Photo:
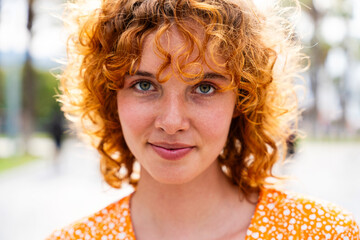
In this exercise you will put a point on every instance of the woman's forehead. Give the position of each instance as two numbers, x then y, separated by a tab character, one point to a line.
172	40
179	50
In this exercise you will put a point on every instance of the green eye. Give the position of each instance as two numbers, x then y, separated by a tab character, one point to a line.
205	89
143	86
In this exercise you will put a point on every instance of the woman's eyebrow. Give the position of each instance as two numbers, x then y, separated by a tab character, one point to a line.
207	75
142	73
213	75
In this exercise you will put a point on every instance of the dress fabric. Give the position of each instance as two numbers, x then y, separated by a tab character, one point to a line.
278	215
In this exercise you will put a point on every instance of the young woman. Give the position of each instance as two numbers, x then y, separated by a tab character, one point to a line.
200	94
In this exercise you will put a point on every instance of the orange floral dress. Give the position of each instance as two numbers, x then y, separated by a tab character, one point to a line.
278	215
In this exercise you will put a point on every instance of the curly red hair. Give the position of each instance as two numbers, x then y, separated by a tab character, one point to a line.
260	52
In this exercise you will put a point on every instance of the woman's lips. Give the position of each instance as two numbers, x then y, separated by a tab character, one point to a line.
171	151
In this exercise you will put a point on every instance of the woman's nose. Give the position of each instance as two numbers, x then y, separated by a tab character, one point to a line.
173	114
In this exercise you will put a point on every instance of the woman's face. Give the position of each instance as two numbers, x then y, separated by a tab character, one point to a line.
175	130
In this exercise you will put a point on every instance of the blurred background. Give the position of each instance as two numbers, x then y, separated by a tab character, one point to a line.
48	178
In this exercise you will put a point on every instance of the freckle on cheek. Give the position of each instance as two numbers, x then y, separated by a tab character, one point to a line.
134	118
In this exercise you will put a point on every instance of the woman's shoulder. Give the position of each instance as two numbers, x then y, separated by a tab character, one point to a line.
287	215
112	222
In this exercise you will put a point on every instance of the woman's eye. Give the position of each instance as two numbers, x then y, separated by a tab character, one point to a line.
205	88
144	86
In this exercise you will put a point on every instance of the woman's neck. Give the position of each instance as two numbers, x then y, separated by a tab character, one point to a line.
196	206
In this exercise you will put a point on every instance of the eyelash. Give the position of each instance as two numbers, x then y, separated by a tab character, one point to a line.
138	82
212	91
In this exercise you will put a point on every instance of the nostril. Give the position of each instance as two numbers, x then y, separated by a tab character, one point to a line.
172	124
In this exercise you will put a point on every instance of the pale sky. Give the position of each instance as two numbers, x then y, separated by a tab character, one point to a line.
48	40
13	34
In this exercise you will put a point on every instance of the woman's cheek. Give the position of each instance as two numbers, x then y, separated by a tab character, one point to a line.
134	115
216	116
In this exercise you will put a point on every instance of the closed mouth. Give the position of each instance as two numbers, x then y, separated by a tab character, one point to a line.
171	151
171	146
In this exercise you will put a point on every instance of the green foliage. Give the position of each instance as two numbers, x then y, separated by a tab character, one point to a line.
45	103
15	161
2	90
355	47
2	99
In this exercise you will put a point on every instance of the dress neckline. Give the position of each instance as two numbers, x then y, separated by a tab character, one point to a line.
262	193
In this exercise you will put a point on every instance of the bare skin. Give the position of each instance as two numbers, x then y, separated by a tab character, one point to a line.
176	131
209	208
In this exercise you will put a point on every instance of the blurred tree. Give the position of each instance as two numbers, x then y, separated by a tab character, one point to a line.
344	11
341	13
320	12
2	100
2	93
46	105
28	85
317	55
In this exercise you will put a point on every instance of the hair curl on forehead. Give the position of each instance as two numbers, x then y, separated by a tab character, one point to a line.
258	50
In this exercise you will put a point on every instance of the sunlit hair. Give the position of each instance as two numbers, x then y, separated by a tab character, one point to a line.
261	54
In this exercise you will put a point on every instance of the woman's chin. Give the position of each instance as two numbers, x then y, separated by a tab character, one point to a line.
174	179
168	178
